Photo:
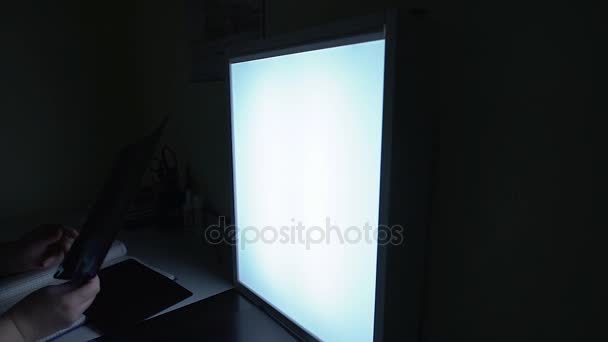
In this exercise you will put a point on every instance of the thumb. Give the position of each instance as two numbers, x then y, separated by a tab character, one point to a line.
83	292
61	289
47	235
52	260
71	286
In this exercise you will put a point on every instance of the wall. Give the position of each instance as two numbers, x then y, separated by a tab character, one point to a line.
45	101
513	186
79	81
510	251
205	136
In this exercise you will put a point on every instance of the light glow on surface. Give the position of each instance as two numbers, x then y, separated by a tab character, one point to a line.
307	133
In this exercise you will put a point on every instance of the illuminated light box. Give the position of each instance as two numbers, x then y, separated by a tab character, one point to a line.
311	132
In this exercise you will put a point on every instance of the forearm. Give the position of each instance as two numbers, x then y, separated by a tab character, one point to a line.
8	330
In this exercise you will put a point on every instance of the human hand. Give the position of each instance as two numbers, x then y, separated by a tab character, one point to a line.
52	308
41	248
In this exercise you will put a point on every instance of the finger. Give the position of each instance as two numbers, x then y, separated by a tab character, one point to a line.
84	306
66	244
70	232
85	292
54	250
69	236
47	234
52	260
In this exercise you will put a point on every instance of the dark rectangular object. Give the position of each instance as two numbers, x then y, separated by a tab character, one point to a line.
351	31
106	217
130	293
406	160
227	317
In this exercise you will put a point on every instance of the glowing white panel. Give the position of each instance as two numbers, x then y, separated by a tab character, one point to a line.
307	132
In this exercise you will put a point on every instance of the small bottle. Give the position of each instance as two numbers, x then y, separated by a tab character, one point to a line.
188	212
197	210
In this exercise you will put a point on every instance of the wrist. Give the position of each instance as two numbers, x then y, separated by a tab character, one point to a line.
22	323
9	330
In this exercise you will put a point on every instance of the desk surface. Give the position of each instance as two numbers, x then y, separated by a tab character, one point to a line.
180	253
227	316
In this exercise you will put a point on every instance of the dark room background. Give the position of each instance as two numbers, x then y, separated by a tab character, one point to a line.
510	256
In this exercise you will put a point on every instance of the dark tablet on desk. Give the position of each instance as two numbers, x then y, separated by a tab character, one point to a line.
106	217
131	292
225	317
